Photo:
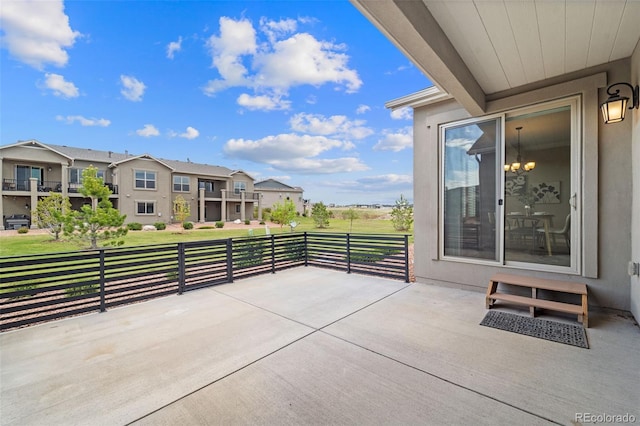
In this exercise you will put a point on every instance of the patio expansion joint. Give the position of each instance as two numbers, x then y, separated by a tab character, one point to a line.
255	361
443	379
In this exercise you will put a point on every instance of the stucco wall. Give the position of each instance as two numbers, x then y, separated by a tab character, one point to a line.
635	219
607	159
129	195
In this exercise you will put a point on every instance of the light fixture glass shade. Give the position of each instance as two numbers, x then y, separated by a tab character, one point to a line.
614	108
507	167
530	166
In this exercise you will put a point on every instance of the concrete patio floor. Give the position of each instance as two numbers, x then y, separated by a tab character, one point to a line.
312	346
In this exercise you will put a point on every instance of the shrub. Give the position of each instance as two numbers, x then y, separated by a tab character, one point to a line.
23	230
219	224
134	226
262	222
206	227
247	222
187	225
82	290
402	215
160	226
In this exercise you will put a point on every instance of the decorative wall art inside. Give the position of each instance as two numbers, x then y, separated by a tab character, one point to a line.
515	185
547	192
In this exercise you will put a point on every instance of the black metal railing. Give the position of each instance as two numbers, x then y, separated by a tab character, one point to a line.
45	186
39	288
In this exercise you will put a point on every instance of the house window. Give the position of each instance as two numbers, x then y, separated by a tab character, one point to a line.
75	175
145	179
494	213
206	185
181	184
23	175
237	208
145	207
239	187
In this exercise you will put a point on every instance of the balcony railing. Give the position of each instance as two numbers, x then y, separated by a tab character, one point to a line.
39	288
247	195
45	186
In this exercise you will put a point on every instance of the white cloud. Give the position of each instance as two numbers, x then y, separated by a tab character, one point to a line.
173	47
263	102
362	109
405	113
60	87
336	125
279	178
132	88
70	119
378	184
294	153
148	130
276	61
301	59
237	38
277	29
190	133
395	141
322	166
37	32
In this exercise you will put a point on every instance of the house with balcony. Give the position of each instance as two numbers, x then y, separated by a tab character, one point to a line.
275	192
515	169
143	186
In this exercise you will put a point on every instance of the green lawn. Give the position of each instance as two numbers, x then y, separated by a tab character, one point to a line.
35	244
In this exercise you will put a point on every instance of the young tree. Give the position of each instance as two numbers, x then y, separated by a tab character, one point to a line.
98	221
283	213
50	213
320	215
350	215
181	209
402	215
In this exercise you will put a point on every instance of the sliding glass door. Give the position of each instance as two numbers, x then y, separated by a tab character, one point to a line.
510	188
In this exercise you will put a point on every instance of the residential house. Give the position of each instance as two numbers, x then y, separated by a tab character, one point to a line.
274	191
144	187
514	115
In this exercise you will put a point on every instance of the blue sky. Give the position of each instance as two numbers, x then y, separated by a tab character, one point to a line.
291	90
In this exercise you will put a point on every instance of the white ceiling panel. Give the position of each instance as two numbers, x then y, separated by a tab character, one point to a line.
508	43
496	22
606	24
522	16
470	40
579	23
551	26
629	31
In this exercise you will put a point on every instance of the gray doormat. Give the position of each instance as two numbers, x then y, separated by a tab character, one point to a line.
536	327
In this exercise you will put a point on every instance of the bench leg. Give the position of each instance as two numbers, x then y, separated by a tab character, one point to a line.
493	285
534	295
584	318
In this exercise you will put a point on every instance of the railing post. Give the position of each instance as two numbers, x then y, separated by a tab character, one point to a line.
348	254
306	250
103	305
229	260
181	268
406	258
273	254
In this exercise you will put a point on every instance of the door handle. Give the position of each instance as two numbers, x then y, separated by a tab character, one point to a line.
572	200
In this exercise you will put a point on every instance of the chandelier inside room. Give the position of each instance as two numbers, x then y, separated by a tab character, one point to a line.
518	166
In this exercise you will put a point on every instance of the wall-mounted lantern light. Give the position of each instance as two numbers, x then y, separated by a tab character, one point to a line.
614	109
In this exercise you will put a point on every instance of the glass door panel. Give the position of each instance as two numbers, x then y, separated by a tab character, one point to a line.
470	163
538	187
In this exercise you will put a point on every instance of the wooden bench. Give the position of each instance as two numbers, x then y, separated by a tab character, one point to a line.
533	302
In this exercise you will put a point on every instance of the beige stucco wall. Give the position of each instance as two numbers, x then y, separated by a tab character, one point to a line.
273	196
635	218
129	195
606	201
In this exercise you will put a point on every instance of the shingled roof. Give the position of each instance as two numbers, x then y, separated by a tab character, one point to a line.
186	167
